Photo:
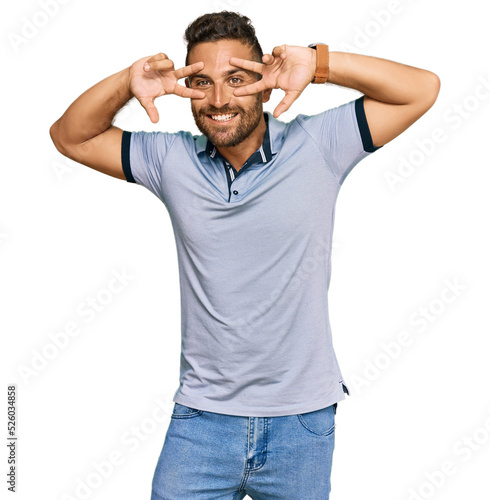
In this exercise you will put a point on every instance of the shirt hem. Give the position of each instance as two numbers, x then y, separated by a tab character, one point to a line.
200	404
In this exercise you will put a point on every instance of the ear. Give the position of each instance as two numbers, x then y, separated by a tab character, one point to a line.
266	95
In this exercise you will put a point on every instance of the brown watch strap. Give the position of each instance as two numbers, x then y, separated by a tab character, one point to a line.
321	71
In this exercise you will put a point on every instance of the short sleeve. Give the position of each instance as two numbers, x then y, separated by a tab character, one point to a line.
342	134
143	156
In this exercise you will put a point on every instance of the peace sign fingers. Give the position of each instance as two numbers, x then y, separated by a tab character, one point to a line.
184	72
255	67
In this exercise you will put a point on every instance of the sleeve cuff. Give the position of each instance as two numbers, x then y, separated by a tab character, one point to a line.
367	141
125	145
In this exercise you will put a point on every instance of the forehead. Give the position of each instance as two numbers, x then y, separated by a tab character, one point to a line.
216	55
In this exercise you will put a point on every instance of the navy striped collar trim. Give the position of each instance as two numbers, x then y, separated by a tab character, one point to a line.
263	154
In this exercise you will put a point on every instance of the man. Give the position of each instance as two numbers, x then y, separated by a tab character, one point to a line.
252	207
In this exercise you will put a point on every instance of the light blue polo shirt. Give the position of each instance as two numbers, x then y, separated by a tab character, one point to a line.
254	250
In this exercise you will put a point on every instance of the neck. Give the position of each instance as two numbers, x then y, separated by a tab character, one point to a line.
239	154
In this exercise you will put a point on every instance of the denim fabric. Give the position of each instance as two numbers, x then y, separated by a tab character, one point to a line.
213	456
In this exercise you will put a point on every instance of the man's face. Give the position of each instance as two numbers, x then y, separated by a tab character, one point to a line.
224	119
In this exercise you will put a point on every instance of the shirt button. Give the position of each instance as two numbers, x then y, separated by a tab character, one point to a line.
235	192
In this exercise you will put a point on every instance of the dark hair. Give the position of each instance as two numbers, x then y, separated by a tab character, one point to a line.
222	26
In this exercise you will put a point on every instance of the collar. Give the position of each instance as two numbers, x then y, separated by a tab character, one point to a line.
269	146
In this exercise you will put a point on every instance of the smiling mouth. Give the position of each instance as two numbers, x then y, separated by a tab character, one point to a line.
222	118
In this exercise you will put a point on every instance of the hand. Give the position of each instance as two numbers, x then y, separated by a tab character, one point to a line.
289	68
152	77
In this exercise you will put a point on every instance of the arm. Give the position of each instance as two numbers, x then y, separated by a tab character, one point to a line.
396	95
85	132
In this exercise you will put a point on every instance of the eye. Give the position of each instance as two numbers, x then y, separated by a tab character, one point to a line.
201	83
235	80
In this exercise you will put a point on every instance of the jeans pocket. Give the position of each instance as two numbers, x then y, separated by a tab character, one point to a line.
320	422
182	411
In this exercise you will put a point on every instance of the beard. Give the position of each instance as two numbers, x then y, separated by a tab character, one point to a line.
227	137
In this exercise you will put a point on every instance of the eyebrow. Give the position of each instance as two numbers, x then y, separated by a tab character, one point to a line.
225	74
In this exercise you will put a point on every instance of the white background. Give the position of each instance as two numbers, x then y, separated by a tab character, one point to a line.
66	229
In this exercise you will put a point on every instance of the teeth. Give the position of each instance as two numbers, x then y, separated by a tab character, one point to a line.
223	118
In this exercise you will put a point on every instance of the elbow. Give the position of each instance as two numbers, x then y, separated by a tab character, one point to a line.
431	89
53	133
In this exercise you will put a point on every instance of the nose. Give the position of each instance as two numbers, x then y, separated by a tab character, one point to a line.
220	95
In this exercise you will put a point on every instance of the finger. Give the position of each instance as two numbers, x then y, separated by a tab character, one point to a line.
254	66
157	57
280	51
151	110
285	104
268	59
253	88
159	65
188	70
186	92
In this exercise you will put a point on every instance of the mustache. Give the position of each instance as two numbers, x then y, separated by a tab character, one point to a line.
219	111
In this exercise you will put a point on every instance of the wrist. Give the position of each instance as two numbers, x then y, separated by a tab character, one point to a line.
340	63
322	62
312	63
125	75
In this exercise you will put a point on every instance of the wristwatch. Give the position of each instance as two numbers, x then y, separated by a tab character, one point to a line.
321	71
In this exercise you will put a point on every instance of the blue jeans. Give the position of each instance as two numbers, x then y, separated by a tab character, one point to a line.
212	456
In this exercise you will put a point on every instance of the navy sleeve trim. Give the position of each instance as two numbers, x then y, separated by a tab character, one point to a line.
125	144
367	141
